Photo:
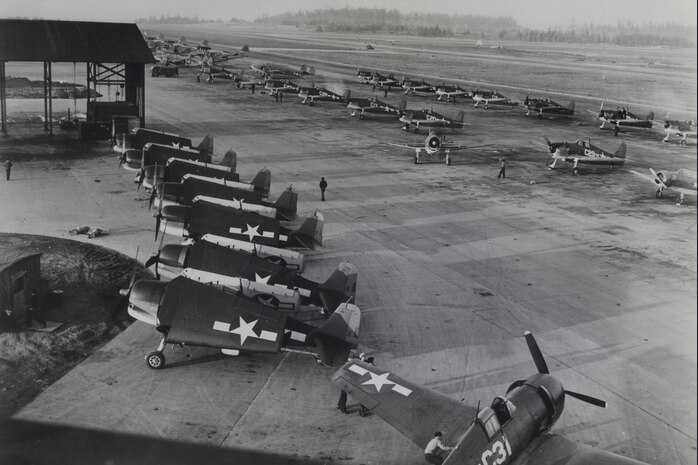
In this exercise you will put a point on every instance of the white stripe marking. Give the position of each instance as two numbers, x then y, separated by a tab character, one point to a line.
235	231
358	370
402	390
220	326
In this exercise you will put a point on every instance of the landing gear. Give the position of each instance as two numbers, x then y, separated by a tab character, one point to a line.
658	194
361	116
679	199
156	360
448	159
575	171
311	103
486	106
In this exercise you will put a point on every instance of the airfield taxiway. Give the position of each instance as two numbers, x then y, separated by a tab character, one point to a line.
454	265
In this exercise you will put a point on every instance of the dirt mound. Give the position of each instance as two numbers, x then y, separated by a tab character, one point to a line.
91	309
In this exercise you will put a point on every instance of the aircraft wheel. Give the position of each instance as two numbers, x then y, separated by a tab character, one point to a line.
658	194
416	161
682	142
276	260
268	300
575	171
361	116
155	360
679	200
362	412
155	73
486	107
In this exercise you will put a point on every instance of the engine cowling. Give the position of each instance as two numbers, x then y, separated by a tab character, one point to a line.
432	144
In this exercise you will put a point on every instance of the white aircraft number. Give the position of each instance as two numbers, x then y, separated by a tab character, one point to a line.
497	454
592	154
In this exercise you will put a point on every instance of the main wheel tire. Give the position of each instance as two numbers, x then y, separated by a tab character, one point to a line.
658	194
155	360
575	171
679	200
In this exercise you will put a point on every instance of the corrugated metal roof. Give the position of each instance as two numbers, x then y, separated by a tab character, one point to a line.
72	41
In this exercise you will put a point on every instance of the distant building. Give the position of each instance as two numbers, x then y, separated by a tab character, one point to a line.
19	274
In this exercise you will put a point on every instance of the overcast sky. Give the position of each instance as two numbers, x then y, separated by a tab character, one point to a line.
529	13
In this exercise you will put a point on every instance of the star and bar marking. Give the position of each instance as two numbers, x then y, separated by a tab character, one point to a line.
378	381
244	330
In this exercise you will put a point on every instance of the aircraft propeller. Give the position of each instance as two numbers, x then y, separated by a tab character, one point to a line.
127	291
155	258
658	179
542	367
153	193
139	181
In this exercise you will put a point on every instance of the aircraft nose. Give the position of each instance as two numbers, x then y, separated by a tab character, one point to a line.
174	255
144	300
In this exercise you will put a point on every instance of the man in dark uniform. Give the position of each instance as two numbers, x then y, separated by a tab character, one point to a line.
323	186
502	169
8	168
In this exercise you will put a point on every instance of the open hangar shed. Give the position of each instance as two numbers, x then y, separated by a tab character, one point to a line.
115	55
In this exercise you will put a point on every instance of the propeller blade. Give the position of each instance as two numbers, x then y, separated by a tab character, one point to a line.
152	259
141	176
587	399
133	281
658	180
536	353
158	217
152	199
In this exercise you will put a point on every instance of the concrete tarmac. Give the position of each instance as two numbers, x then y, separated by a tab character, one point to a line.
454	265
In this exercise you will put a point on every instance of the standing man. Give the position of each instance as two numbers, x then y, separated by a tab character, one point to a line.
432	453
615	130
342	402
385	94
281	96
323	186
252	87
8	168
502	169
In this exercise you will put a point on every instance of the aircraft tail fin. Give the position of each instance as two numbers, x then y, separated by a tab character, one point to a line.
460	117
245	49
206	145
262	182
547	141
311	70
230	159
340	286
340	333
310	232
287	204
620	153
650	116
570	107
402	104
347	94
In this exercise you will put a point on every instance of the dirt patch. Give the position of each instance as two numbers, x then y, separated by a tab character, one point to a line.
91	309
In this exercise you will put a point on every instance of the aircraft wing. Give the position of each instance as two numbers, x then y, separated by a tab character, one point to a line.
202	315
552	449
413	410
462	147
644	176
408	146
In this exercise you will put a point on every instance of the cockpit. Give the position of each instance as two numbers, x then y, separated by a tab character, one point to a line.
492	418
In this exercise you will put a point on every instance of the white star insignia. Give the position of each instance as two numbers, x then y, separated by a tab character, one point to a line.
252	232
245	330
378	380
259	279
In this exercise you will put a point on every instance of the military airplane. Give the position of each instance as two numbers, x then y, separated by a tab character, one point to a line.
513	430
682	181
205	217
682	129
430	118
273	71
491	98
622	118
312	94
138	137
175	169
286	258
158	154
190	313
411	87
255	277
217	56
433	146
546	106
380	80
248	197
452	92
275	86
372	105
370	47
582	151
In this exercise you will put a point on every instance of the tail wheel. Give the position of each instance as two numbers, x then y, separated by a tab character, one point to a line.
155	360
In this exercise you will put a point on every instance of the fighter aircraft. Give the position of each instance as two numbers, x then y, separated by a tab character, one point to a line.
546	106
491	98
273	71
370	47
218	56
175	168
372	105
205	217
158	154
380	80
275	86
513	430
430	118
411	86
622	118
312	94
435	145
682	181
201	315
682	129
452	92
286	258
138	137
244	196
582	151
255	277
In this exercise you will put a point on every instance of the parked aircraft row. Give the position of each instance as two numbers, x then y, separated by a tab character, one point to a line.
235	283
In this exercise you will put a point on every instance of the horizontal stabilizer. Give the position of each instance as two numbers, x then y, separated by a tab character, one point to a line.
310	231
262	182
340	333
206	145
287	205
230	159
340	286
